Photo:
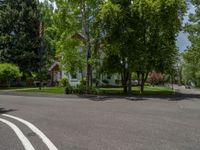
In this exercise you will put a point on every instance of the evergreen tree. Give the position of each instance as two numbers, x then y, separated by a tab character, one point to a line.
19	42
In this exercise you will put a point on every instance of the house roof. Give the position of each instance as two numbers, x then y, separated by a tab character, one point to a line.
54	65
79	36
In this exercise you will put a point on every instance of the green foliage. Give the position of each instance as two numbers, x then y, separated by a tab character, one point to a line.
140	35
81	89
118	82
83	81
62	26
8	73
19	42
134	76
191	67
63	82
68	89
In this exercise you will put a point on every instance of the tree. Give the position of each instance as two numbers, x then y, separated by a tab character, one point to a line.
118	37
48	50
72	25
140	36
89	10
19	42
8	72
191	67
159	23
62	26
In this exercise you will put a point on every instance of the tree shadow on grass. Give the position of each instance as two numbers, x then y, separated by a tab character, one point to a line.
4	111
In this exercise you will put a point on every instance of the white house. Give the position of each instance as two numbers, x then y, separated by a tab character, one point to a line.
74	79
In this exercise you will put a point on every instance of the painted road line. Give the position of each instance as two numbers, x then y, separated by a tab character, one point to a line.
26	143
44	138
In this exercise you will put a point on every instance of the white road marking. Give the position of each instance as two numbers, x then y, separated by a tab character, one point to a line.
26	143
44	138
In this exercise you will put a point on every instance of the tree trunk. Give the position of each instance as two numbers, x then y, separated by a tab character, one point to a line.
142	84
125	78
129	83
143	80
85	24
91	77
138	76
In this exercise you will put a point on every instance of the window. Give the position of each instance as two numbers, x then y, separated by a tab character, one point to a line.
74	76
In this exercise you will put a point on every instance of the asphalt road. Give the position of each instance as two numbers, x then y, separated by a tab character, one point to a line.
75	123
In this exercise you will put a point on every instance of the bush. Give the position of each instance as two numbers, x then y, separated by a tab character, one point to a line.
8	73
83	81
80	89
68	89
117	81
147	84
63	82
155	78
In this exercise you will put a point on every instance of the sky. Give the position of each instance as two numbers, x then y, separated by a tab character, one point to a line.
182	40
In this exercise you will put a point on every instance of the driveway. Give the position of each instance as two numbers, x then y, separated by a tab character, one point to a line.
102	123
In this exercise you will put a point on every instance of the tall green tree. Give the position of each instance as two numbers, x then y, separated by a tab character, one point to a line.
140	36
159	23
73	34
191	69
62	24
118	36
19	42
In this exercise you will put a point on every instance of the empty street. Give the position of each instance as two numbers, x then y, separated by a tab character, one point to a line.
101	123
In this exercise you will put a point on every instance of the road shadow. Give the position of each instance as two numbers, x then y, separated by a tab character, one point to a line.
168	97
131	97
4	111
183	96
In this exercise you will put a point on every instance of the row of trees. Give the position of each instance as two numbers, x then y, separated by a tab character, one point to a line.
191	66
122	37
101	36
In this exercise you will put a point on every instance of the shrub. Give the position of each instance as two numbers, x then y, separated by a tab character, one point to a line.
83	81
81	89
68	89
117	81
147	84
63	82
155	77
8	73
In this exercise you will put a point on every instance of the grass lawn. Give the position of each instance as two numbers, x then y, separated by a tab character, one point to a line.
55	90
60	90
136	90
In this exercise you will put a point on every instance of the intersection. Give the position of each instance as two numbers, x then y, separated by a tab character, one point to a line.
77	123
